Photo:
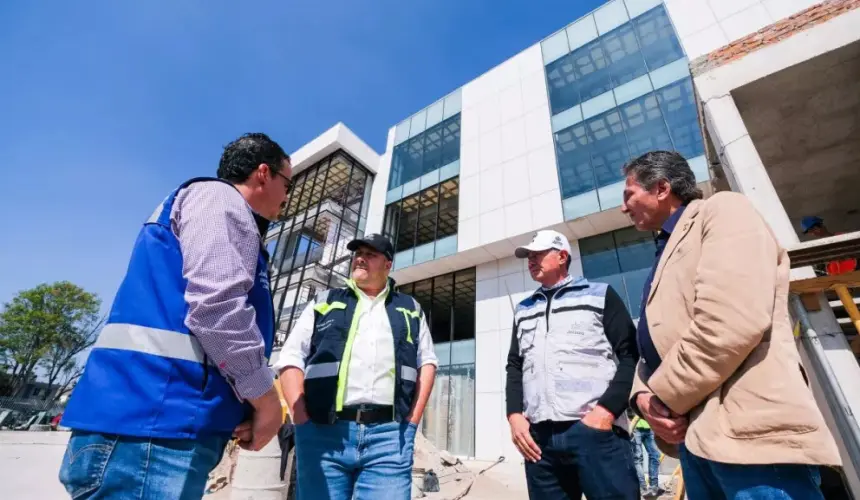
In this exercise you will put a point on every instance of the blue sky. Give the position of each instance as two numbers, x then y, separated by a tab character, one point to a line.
106	106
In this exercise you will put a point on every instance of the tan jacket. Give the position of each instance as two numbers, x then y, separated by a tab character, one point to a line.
718	315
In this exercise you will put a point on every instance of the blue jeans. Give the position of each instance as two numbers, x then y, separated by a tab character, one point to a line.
645	437
706	479
104	466
577	460
350	461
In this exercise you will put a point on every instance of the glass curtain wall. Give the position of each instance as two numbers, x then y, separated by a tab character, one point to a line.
326	210
426	152
448	302
419	220
615	97
623	259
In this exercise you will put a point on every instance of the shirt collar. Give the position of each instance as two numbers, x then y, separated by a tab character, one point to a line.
672	221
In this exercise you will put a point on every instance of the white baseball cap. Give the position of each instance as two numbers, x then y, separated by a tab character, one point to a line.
544	240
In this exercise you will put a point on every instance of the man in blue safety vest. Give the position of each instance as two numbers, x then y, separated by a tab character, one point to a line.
182	363
357	371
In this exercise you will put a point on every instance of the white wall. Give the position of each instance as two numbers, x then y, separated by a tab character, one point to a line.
500	283
706	25
376	209
508	178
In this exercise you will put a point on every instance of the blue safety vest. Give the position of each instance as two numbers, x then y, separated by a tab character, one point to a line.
147	375
335	327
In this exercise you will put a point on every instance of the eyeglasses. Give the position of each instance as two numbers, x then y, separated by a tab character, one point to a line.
288	183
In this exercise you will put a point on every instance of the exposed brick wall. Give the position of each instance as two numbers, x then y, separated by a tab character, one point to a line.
777	31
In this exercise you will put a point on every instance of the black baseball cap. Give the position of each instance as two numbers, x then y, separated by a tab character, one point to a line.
375	241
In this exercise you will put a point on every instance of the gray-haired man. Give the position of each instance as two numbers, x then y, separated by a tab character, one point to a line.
570	370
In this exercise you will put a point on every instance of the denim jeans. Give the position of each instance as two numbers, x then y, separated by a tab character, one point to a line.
350	461
706	479
104	466
645	437
577	460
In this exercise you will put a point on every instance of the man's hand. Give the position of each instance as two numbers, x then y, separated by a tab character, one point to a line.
265	422
522	438
670	427
599	418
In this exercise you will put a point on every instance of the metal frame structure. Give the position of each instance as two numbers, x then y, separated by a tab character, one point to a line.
333	191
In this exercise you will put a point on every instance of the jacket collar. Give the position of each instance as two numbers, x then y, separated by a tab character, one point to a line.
577	282
678	233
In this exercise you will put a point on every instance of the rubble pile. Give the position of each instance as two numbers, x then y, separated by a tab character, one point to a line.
438	475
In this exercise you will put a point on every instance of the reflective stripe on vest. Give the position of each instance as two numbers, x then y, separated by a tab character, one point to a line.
321	370
164	343
407	313
408	373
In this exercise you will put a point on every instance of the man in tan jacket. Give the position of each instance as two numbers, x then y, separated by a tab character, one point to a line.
719	379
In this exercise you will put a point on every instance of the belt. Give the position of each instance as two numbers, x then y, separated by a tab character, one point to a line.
367	414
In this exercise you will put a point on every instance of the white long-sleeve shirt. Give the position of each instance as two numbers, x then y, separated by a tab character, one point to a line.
370	374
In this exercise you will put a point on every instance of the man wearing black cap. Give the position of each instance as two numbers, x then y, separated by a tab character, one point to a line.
357	370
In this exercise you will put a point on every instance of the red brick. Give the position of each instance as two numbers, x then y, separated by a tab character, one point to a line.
773	33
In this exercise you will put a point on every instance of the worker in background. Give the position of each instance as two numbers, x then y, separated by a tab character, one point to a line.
642	436
815	226
357	371
720	379
569	373
183	358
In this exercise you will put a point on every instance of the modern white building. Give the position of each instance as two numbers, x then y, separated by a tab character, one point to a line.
539	141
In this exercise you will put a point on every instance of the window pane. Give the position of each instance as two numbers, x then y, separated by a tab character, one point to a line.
646	130
428	211
423	293
464	304
433	148
408	223
608	146
622	50
678	103
635	249
443	291
392	219
561	80
451	140
399	159
659	44
574	161
448	208
598	256
415	161
590	65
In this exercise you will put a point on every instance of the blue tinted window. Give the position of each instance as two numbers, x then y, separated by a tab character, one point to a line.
451	140
678	104
591	68
659	44
563	90
398	165
434	148
574	161
622	50
608	146
415	159
646	130
622	259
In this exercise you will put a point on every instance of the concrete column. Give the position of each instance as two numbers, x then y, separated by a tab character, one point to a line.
744	169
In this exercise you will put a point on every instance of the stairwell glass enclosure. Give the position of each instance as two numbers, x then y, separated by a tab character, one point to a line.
326	210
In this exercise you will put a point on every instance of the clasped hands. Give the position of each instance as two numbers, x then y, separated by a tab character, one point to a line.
666	424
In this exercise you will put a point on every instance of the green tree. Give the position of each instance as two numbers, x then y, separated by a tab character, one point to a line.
47	326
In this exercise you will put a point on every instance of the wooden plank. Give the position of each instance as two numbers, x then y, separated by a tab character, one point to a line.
824	283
